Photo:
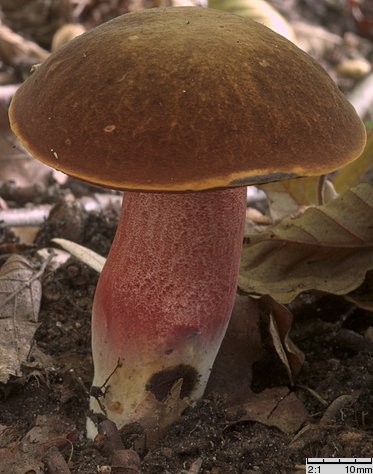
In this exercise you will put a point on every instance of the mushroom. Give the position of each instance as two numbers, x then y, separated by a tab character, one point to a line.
181	108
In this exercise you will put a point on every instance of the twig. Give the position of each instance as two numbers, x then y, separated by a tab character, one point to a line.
79	7
314	394
335	407
25	217
71	451
14	49
36	216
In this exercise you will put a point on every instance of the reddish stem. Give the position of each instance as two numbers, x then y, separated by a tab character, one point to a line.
165	297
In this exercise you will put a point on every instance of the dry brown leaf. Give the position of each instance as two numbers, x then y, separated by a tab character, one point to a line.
354	173
231	373
280	321
329	248
292	197
8	435
313	432
277	407
20	295
25	455
362	297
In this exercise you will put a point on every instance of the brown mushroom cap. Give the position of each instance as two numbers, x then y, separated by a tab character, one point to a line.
177	99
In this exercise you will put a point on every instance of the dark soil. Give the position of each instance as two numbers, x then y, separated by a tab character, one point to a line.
206	435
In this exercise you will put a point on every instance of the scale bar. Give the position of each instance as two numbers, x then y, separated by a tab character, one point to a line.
340	461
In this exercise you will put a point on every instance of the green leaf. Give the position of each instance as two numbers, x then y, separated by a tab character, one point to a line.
329	248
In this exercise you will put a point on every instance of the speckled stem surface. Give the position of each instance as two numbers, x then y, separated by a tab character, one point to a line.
164	298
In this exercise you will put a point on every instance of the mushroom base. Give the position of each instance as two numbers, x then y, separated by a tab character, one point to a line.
163	300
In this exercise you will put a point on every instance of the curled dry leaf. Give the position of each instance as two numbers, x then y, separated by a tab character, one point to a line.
280	321
329	248
292	196
273	407
231	374
25	456
362	297
312	432
55	462
20	295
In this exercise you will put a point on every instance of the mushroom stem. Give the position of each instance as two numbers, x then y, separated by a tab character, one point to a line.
164	299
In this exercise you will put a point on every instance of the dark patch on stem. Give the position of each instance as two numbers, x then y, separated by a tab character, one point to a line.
161	383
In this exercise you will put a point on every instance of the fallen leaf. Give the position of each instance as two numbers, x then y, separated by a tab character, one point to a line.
291	196
362	297
352	174
8	435
25	455
231	373
277	407
280	321
329	248
87	256
20	295
311	433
